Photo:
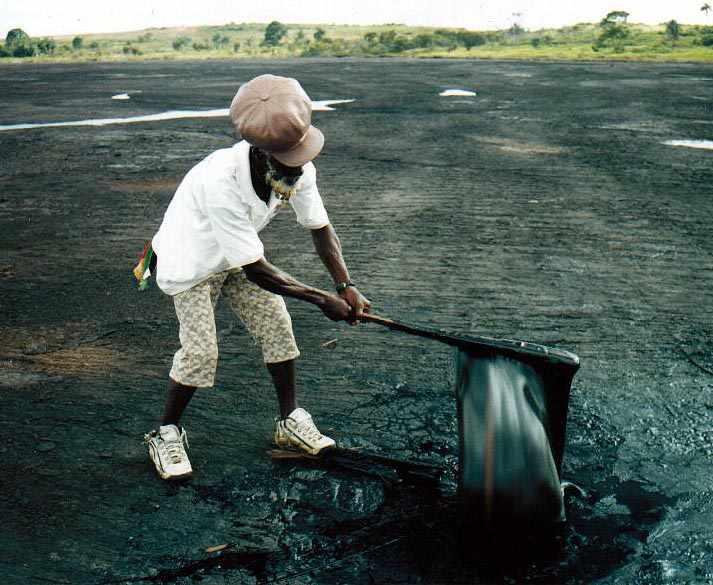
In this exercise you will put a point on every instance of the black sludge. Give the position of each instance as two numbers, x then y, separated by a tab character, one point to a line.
512	409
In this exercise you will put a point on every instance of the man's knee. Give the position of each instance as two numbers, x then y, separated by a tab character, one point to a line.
195	366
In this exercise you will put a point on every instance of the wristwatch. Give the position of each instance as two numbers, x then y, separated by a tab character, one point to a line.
342	286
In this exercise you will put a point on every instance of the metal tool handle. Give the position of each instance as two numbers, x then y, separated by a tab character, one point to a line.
413	330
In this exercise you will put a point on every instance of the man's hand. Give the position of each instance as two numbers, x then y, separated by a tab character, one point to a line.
336	308
358	302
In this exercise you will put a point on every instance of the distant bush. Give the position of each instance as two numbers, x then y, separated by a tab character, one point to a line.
46	46
236	47
615	17
24	51
77	43
319	34
201	46
16	38
219	41
180	43
423	41
145	38
615	31
19	44
274	33
516	30
470	39
128	49
673	30
390	41
707	40
94	45
539	41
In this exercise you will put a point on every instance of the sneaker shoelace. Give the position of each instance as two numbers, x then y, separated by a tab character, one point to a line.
308	430
174	447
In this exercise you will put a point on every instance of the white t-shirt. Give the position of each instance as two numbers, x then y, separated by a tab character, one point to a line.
213	220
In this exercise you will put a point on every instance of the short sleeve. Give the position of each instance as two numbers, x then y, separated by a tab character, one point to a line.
228	216
307	202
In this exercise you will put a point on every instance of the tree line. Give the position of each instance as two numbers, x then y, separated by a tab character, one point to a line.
615	33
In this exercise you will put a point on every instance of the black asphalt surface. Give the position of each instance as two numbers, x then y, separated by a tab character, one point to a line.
546	208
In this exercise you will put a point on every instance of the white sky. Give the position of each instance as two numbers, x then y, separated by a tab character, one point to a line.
58	17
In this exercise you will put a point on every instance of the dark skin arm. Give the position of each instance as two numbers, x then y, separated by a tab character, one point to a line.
329	248
271	278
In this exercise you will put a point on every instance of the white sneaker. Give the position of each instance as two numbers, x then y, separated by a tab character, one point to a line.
166	451
298	430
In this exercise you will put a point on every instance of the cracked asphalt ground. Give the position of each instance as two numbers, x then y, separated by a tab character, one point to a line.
546	208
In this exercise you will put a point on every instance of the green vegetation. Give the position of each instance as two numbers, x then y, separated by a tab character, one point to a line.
180	43
673	30
19	44
274	32
615	32
611	38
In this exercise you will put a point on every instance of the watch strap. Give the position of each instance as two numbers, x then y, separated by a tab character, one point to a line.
342	286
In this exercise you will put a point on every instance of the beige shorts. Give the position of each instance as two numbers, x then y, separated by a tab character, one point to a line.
263	313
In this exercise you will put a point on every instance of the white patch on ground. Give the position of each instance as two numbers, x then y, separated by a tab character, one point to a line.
126	95
318	106
706	144
456	92
171	115
323	105
651	126
687	78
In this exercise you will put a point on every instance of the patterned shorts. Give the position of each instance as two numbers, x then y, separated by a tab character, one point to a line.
263	313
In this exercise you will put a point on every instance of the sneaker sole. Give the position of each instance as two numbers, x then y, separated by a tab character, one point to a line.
305	449
164	474
169	477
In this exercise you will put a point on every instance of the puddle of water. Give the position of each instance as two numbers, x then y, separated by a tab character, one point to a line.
705	144
317	106
456	92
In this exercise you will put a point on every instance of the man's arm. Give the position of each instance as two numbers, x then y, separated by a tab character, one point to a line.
327	244
271	278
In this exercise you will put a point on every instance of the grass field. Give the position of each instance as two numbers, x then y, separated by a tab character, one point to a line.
246	40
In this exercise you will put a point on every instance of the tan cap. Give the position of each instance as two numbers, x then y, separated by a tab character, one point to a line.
275	114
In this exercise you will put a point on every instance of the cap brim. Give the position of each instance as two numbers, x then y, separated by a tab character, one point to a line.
309	147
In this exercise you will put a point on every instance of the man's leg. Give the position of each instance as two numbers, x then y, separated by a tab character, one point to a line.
283	376
178	398
194	365
266	317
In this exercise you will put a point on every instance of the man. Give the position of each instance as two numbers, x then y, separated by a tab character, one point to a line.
208	245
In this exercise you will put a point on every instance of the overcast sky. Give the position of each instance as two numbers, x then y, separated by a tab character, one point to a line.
58	17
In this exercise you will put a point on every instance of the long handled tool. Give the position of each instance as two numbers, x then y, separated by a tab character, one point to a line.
482	345
512	399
